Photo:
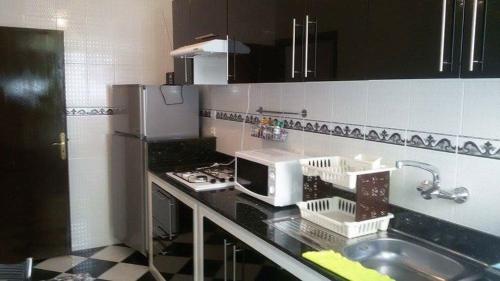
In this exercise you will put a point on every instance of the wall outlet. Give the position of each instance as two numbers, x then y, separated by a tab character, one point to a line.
213	132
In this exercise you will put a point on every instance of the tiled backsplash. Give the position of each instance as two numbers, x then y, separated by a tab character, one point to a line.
449	123
106	42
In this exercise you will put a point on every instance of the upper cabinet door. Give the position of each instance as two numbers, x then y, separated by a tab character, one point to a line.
290	38
208	20
336	39
481	52
414	39
251	25
180	18
265	42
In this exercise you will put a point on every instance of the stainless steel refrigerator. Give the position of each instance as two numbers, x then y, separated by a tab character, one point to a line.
143	114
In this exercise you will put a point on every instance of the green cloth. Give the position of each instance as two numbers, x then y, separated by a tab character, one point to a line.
344	267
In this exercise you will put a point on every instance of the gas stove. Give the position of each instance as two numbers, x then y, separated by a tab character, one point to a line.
216	176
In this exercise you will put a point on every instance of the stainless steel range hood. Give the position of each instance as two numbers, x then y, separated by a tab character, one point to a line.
210	59
210	48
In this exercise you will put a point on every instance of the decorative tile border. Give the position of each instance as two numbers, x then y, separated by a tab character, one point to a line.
90	111
230	116
432	141
438	142
385	135
479	147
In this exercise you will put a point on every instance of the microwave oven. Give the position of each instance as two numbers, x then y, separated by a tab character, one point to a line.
271	175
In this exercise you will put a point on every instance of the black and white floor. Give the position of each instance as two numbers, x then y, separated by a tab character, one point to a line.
105	263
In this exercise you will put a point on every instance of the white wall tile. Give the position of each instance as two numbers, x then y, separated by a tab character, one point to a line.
127	74
229	136
100	79
76	85
271	97
346	147
11	13
205	97
89	201
481	108
293	97
88	136
436	105
318	144
319	100
255	97
480	176
349	102
206	126
388	103
232	97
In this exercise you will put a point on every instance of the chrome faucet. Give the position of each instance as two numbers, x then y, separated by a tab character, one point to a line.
429	190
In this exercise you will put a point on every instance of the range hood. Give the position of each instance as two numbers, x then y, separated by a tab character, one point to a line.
210	59
211	47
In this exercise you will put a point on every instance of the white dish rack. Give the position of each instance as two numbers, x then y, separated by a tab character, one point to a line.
342	171
338	215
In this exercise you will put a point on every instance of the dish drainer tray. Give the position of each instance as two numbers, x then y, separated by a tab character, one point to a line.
342	171
338	215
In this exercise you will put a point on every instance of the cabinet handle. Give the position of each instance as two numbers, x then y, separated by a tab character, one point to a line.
473	36
307	46
443	31
170	233
235	251
294	24
306	59
315	23
225	258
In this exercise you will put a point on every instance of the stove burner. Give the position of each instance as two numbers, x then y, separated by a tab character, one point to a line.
201	178
212	177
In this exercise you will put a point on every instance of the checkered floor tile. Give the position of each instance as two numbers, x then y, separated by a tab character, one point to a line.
105	263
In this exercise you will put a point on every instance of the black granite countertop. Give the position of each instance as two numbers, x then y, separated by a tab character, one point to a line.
251	213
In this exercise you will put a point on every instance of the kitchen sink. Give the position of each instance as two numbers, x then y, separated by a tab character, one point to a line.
404	260
399	255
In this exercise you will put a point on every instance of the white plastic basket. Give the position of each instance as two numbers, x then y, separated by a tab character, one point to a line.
338	215
342	171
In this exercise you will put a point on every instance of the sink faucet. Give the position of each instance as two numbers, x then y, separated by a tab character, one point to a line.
429	190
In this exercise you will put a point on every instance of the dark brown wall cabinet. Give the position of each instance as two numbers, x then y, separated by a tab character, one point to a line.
413	39
481	46
327	40
180	15
297	40
433	39
195	21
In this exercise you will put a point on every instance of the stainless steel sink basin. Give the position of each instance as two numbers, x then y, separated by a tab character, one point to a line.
401	256
404	260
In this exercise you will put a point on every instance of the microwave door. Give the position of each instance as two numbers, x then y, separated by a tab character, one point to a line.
252	176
